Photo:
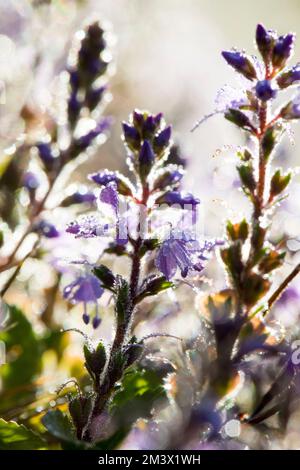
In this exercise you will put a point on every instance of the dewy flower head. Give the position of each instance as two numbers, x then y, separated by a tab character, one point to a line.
270	76
147	136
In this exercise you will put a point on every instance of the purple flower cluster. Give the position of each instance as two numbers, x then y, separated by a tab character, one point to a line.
148	142
269	76
89	66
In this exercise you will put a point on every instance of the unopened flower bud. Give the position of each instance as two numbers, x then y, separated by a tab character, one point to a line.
292	110
283	50
146	159
291	77
238	118
162	140
170	177
30	181
45	154
241	63
264	90
265	41
47	229
131	136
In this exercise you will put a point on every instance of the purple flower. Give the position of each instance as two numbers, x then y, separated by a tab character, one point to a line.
47	229
86	289
283	50
264	90
184	253
241	63
180	198
73	227
30	180
109	195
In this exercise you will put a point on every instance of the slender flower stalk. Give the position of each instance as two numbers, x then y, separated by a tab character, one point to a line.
157	182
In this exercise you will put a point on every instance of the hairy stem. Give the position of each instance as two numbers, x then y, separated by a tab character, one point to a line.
106	385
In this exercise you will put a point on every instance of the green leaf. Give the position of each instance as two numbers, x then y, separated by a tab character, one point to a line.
105	275
139	389
278	183
247	176
272	260
239	119
153	286
255	287
270	140
23	351
238	231
15	436
59	425
123	302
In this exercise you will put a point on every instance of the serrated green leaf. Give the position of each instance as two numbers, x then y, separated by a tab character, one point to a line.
15	436
59	425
